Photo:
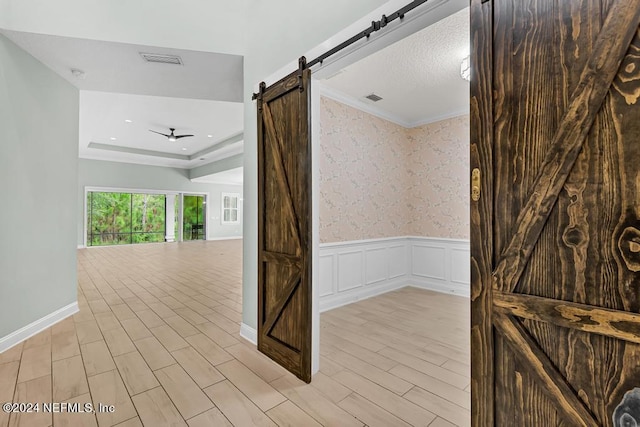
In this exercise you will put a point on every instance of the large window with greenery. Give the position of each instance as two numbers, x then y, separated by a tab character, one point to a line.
124	218
193	217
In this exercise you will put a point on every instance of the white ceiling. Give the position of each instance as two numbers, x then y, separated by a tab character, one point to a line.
201	97
103	117
118	67
417	77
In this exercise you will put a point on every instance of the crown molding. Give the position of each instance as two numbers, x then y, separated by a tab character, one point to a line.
434	119
349	100
138	151
234	139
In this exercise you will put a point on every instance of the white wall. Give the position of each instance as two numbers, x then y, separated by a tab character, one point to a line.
96	173
38	174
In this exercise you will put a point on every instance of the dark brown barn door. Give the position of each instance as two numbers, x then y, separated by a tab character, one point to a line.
555	212
284	222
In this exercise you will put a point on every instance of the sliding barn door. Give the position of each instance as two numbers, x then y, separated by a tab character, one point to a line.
555	212
284	222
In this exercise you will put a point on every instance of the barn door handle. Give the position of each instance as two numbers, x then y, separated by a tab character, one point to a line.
475	185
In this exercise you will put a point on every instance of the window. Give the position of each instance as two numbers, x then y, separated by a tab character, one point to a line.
230	208
193	216
124	218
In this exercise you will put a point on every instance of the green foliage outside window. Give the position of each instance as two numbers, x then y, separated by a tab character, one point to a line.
193	217
124	218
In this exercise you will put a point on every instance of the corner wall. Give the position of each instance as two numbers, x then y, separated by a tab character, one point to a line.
394	205
97	173
38	181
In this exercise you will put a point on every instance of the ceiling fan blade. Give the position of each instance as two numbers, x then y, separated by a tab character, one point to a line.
159	133
183	136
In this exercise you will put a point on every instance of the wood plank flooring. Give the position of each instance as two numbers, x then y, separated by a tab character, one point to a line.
157	336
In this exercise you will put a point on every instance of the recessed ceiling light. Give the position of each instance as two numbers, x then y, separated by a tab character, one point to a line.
209	136
127	120
113	138
184	148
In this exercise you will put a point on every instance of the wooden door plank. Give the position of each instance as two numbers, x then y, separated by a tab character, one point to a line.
283	298
281	174
588	318
481	214
609	50
550	379
280	258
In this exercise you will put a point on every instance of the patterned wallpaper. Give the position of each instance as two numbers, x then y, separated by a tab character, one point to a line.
379	179
438	185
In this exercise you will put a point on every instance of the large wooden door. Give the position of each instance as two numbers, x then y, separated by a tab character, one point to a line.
555	113
284	222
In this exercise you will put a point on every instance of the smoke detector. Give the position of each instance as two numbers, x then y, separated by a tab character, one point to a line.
161	58
78	74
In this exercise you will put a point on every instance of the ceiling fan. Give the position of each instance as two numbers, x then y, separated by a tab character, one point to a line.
172	137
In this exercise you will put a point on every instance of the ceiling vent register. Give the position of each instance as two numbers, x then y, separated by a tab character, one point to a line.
161	59
373	97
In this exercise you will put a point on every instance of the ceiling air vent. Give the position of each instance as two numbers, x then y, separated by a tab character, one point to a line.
161	59
373	97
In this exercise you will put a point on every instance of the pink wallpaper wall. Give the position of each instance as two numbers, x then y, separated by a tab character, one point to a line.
379	179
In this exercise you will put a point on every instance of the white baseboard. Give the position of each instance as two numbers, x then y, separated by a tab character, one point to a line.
354	295
39	325
81	247
439	287
355	270
225	238
249	333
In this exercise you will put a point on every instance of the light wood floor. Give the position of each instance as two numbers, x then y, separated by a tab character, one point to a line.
157	337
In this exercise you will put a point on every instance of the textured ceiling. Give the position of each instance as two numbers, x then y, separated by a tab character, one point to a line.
417	77
103	115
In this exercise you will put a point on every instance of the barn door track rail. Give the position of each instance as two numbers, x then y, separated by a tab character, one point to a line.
366	33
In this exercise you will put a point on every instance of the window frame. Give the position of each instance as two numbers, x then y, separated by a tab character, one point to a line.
237	208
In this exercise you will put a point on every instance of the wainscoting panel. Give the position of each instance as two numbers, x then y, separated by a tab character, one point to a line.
460	267
428	261
328	282
440	264
355	270
350	270
376	268
399	262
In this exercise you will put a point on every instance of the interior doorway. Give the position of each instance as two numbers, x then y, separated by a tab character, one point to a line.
386	258
358	277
